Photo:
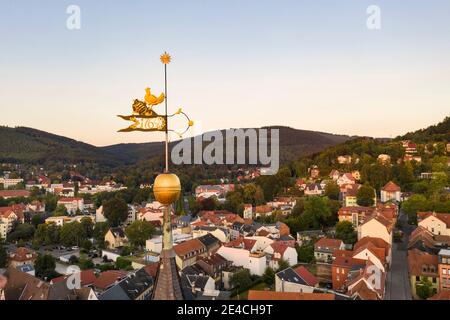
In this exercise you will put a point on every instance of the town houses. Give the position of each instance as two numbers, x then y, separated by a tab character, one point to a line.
323	232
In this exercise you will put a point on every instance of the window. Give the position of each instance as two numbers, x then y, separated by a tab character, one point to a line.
434	280
417	278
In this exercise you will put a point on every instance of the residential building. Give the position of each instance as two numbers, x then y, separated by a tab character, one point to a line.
377	227
295	280
342	267
391	192
325	247
368	285
135	286
344	159
72	204
357	215
188	252
444	269
346	178
384	159
436	223
314	189
245	253
422	267
107	279
278	251
22	256
8	194
8	182
301	296
115	238
248	211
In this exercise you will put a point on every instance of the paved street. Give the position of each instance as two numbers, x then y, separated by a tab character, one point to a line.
397	282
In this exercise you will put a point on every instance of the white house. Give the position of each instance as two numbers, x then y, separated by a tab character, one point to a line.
248	211
7	220
436	223
346	178
314	189
279	251
295	280
391	192
7	182
255	262
377	227
99	215
72	204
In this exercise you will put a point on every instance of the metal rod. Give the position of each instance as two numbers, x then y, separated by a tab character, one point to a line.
167	124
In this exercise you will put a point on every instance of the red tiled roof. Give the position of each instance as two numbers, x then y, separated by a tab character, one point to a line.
418	259
184	248
378	242
444	217
249	243
309	278
152	269
272	295
391	187
328	243
108	278
69	199
279	247
14	193
22	254
87	278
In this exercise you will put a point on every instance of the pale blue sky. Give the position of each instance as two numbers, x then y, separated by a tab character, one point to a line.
236	63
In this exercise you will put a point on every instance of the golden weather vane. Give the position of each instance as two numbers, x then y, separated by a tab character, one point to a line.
146	119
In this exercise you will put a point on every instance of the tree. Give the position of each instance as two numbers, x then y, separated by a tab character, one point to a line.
305	252
122	263
332	190
88	226
138	232
45	267
269	276
365	196
253	194
60	210
85	264
234	202
241	279
346	232
424	288
3	256
299	207
115	210
87	245
316	214
72	234
414	204
37	220
22	232
100	230
282	264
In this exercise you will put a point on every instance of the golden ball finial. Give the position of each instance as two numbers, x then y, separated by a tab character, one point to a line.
167	188
166	58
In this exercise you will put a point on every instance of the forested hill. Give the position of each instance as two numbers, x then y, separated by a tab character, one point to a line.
29	145
438	132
